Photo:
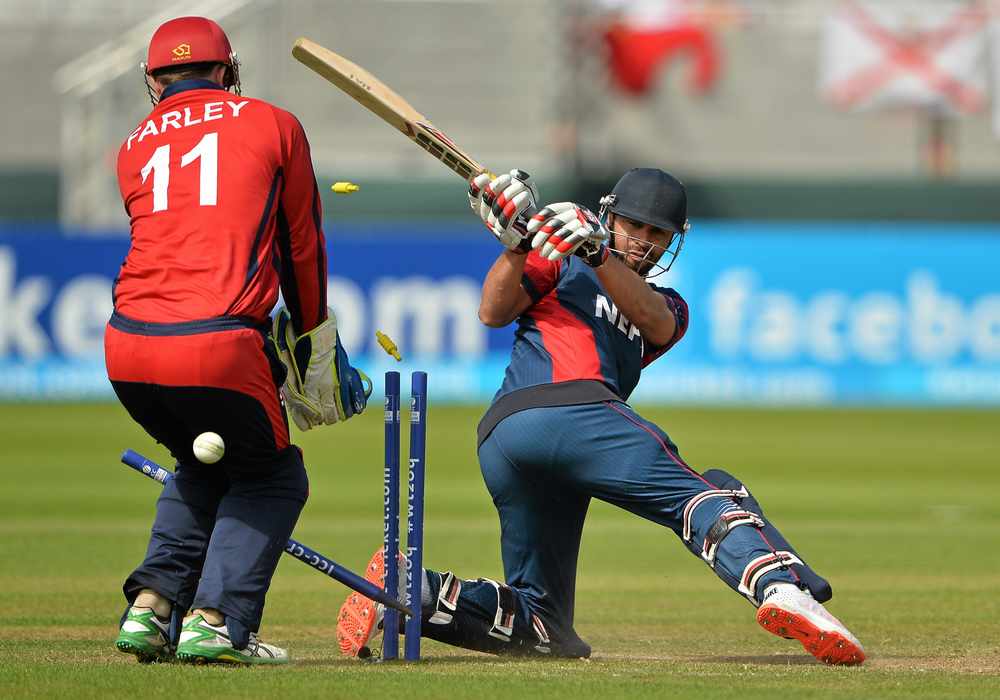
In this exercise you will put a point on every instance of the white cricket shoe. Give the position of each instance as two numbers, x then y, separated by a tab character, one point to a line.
202	643
789	612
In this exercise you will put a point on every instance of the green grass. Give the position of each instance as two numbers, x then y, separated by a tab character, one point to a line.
898	508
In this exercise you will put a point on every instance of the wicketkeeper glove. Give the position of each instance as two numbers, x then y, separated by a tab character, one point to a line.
565	229
321	387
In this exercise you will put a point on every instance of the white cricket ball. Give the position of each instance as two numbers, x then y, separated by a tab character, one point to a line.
209	448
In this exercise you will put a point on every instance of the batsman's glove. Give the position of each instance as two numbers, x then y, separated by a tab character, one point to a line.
500	200
564	229
321	387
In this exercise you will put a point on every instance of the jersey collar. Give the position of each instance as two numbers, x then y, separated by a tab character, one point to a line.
189	84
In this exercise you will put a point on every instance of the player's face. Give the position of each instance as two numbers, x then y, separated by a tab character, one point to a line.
640	245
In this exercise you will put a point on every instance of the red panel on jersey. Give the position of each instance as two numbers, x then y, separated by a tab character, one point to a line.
540	275
568	340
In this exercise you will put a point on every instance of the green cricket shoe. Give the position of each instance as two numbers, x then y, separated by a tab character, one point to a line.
204	643
144	635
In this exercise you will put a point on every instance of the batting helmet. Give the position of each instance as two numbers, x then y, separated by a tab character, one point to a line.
651	196
654	197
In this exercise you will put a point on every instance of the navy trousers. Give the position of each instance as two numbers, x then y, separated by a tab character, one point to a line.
543	465
217	537
219	528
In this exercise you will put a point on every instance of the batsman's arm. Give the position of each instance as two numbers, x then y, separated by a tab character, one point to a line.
644	307
301	242
504	298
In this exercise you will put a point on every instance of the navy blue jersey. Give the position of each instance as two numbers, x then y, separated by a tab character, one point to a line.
574	331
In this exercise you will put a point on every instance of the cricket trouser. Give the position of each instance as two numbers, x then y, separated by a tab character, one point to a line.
543	465
219	528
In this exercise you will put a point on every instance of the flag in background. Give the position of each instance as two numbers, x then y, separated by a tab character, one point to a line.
906	54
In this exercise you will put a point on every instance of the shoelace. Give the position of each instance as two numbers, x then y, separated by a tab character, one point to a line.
255	648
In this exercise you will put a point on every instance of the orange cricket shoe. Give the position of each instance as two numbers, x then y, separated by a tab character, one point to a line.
792	613
360	618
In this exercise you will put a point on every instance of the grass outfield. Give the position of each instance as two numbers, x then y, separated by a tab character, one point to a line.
898	508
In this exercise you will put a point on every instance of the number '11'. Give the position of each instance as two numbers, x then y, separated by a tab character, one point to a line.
206	151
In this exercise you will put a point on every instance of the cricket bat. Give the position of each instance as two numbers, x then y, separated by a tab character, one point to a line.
384	102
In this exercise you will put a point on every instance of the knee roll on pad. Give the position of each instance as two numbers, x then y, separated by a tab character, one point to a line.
701	498
722	527
733	518
818	586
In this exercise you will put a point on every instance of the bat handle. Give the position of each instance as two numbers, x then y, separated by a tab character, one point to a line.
521	226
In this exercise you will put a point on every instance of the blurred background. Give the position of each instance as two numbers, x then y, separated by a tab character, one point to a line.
842	271
842	159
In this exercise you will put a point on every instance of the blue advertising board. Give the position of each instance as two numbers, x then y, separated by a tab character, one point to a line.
780	314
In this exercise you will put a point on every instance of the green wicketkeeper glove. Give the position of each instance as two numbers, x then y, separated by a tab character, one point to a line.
321	387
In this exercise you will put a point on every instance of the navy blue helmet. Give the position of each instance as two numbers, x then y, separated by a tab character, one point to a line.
654	197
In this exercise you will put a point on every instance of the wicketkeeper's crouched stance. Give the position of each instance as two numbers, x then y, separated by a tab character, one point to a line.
559	433
224	208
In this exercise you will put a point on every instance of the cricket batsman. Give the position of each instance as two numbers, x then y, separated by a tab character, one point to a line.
560	432
224	209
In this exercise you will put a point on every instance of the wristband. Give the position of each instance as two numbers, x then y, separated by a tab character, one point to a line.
594	257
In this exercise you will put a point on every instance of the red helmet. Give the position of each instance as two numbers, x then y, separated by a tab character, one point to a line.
188	40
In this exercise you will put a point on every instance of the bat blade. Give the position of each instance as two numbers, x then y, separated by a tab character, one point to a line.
378	97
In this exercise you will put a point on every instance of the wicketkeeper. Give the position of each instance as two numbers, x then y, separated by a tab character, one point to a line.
224	209
560	432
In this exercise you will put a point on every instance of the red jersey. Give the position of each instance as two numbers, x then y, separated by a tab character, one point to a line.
224	206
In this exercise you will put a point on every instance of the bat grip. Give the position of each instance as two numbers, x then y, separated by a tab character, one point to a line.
521	226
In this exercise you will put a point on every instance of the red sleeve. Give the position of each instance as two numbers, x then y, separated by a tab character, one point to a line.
540	276
301	243
679	308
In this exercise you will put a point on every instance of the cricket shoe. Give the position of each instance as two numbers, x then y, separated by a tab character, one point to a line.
204	643
144	635
360	618
789	612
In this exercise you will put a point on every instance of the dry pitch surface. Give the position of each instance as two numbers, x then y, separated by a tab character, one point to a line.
898	508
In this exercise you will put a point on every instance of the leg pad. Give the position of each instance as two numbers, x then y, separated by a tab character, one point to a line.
816	584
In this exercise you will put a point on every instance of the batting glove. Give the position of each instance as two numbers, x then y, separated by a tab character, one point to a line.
499	201
564	229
